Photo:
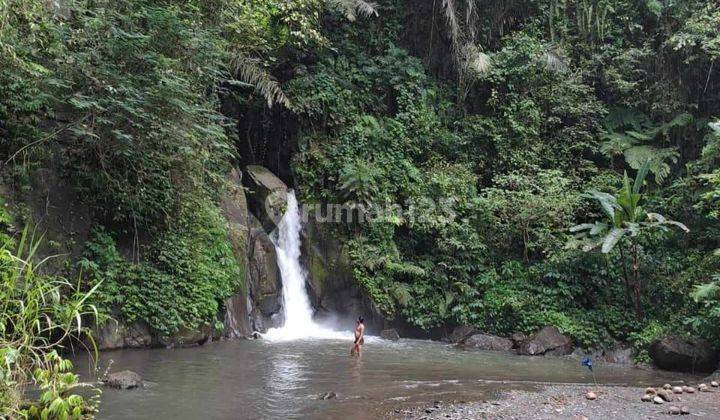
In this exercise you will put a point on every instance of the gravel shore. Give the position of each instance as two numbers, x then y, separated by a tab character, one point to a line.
568	402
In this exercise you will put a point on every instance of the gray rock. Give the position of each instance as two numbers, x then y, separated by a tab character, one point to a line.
113	335
268	195
125	379
390	334
677	390
684	410
674	410
658	400
265	282
518	338
187	337
487	342
462	332
673	353
646	398
548	341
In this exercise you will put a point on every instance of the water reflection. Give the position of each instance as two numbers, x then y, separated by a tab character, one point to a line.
284	383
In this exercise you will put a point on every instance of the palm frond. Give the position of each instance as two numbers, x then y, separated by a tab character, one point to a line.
250	72
354	8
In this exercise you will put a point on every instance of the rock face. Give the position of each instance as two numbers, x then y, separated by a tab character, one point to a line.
487	342
547	341
673	353
235	210
268	195
331	286
114	335
125	379
462	332
265	283
390	334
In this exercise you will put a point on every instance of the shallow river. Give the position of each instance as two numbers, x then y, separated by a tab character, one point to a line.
279	380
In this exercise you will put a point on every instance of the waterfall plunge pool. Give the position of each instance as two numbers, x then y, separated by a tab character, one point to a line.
260	379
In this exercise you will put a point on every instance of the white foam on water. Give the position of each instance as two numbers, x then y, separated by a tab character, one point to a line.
296	304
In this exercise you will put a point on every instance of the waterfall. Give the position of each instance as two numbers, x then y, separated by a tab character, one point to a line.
296	303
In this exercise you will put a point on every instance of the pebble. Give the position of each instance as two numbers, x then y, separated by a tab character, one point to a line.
677	390
665	395
684	410
703	388
591	396
646	398
714	384
674	410
689	389
650	391
658	400
666	386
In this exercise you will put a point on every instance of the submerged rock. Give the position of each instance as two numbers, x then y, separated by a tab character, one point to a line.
125	379
327	396
390	334
548	340
673	353
486	342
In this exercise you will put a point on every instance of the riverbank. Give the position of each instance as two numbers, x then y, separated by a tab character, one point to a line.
566	402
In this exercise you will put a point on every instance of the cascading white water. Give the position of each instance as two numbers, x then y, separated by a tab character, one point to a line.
296	304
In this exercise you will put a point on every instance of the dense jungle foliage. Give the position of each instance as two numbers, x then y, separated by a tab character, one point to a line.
505	128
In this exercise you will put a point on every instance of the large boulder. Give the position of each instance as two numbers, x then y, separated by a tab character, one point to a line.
235	210
268	195
673	353
112	335
486	342
265	282
390	334
462	332
547	341
125	379
187	337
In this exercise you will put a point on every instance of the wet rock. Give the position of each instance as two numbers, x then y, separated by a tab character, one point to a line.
673	353
688	389
677	390
327	396
591	396
684	410
125	379
657	400
646	398
674	410
462	332
547	341
390	334
487	342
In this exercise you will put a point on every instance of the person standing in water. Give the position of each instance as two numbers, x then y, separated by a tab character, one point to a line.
359	337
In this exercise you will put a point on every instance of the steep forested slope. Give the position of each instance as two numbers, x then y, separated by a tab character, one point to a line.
484	123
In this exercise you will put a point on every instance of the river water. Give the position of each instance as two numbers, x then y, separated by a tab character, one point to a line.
261	379
281	376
